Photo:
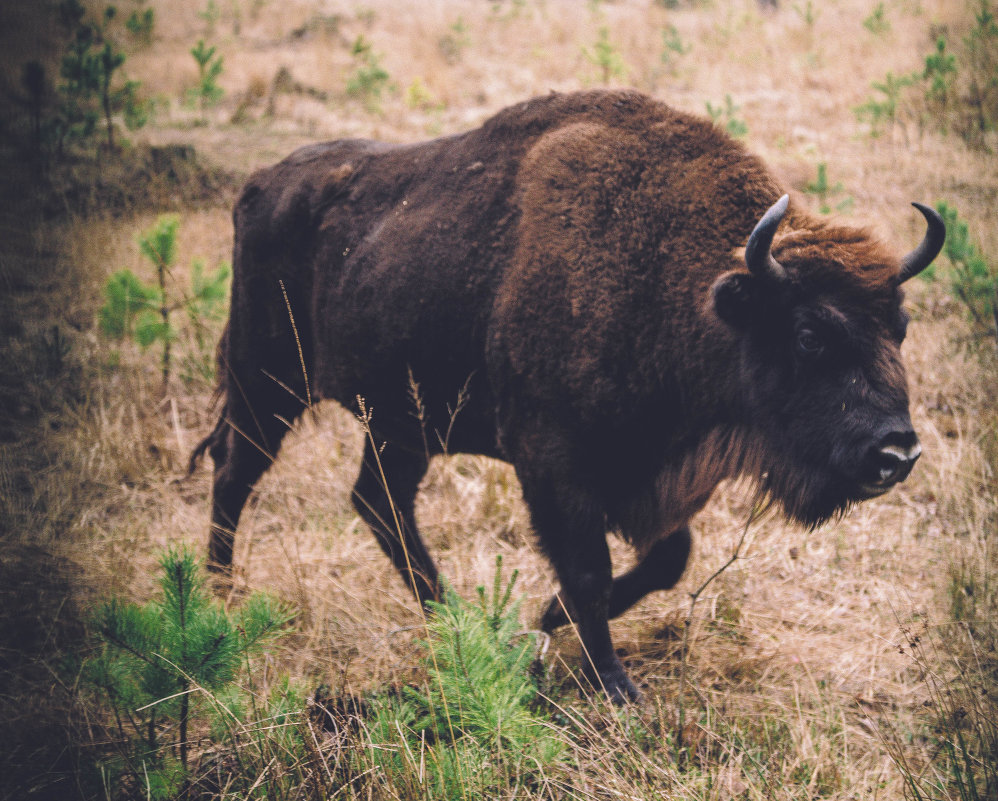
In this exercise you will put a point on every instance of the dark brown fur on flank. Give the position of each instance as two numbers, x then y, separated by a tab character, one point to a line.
576	270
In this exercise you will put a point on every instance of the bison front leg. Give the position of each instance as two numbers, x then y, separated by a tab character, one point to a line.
660	569
385	497
242	446
572	531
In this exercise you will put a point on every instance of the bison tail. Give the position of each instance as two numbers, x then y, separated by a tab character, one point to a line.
221	389
216	434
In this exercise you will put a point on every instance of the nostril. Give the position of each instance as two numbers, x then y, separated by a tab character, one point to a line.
888	471
893	460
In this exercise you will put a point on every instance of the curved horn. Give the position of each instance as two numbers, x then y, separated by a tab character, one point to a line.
757	256
922	256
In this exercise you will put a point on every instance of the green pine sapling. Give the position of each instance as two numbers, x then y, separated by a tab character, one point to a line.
672	46
369	78
959	85
478	704
940	71
731	123
981	68
605	56
156	664
824	190
207	91
89	70
454	42
877	23
972	281
140	25
885	107
143	311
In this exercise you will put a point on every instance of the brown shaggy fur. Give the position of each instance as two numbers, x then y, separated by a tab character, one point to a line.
574	267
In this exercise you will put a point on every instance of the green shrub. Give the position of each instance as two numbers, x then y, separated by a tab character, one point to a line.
140	25
882	109
961	83
474	721
157	666
419	96
940	72
91	87
672	46
958	86
980	63
807	13
207	92
210	14
369	79
825	191
877	22
134	309
604	55
972	280
453	43
726	117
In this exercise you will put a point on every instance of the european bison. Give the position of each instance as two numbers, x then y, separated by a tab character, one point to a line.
609	294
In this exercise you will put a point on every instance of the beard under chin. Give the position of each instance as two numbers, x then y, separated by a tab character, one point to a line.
809	496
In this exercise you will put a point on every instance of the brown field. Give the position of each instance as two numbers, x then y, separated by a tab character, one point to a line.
806	638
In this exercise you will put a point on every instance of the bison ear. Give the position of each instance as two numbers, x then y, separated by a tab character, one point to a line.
735	296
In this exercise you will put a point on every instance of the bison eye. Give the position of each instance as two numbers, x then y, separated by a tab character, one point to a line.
809	344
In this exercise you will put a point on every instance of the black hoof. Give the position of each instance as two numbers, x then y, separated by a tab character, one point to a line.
620	689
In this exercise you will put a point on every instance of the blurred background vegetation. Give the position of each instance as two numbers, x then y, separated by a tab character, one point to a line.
858	661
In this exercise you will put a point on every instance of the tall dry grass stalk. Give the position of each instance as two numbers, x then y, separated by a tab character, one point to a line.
794	668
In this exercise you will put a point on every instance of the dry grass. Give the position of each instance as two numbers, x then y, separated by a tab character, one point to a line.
795	661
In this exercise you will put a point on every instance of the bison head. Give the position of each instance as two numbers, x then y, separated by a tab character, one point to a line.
819	323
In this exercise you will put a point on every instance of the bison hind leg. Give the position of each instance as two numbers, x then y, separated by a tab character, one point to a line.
660	568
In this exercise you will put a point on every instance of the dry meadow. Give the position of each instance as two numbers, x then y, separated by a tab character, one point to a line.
815	661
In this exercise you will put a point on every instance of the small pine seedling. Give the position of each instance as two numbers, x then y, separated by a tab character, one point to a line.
604	55
454	42
877	23
207	92
672	46
725	117
90	68
157	663
883	108
143	311
940	77
140	25
823	190
807	13
940	71
477	705
973	282
369	78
